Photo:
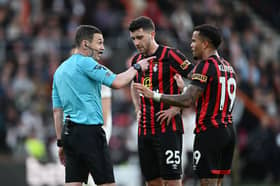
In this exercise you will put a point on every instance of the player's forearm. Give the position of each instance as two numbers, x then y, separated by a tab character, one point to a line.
186	99
176	100
135	97
57	113
124	78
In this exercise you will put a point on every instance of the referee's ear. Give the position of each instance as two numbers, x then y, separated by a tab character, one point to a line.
84	44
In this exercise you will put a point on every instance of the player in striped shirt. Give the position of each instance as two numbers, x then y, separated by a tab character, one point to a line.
160	126
212	91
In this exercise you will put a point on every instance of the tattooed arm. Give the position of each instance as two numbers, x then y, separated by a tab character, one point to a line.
186	99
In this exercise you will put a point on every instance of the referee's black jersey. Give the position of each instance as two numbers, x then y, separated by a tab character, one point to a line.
218	79
159	78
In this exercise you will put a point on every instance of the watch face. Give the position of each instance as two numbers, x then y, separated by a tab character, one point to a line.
137	67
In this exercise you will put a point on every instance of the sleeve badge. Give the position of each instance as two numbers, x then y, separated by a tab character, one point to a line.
185	64
200	77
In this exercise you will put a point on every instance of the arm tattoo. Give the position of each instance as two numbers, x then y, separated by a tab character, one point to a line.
187	99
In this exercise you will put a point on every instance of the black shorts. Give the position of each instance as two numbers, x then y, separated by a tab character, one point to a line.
213	152
160	156
86	151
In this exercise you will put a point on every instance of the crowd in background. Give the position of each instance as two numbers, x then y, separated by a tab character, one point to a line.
37	35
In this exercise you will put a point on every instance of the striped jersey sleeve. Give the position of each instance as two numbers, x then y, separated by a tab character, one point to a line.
201	73
179	63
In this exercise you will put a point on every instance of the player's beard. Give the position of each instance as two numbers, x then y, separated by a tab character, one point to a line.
142	50
196	56
146	49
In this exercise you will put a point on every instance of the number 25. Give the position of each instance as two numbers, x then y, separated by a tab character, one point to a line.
172	157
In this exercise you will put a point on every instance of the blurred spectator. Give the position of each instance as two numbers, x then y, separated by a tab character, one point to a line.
242	19
182	22
3	128
269	10
36	35
153	11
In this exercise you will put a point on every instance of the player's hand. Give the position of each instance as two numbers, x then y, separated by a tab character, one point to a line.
180	82
167	115
143	91
144	63
61	155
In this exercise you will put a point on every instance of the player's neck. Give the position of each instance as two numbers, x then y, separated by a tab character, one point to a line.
209	53
153	48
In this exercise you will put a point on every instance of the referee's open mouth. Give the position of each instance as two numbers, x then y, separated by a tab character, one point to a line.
99	53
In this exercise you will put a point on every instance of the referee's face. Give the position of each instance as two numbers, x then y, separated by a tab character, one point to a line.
142	40
97	46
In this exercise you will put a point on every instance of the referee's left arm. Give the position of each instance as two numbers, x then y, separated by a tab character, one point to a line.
58	114
57	111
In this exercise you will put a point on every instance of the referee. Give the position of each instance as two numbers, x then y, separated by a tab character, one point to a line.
76	99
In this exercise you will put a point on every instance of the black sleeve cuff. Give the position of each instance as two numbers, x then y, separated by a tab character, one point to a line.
59	143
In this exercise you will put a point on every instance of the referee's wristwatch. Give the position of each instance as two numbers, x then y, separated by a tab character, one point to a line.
137	67
59	143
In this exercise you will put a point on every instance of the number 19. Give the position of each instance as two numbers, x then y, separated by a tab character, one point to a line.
231	94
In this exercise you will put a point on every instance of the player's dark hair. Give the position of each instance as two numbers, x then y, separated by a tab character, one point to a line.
212	33
85	32
141	22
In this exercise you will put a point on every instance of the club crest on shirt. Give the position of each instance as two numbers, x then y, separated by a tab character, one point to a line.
185	64
199	77
155	67
147	82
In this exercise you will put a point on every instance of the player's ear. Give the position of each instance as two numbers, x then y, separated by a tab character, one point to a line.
153	34
205	43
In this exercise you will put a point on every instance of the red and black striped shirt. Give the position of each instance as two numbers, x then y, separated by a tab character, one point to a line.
159	78
218	79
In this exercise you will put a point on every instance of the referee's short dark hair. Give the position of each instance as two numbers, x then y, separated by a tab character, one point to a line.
85	32
141	22
212	33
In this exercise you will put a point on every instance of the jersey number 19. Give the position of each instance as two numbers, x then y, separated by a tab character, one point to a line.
231	90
